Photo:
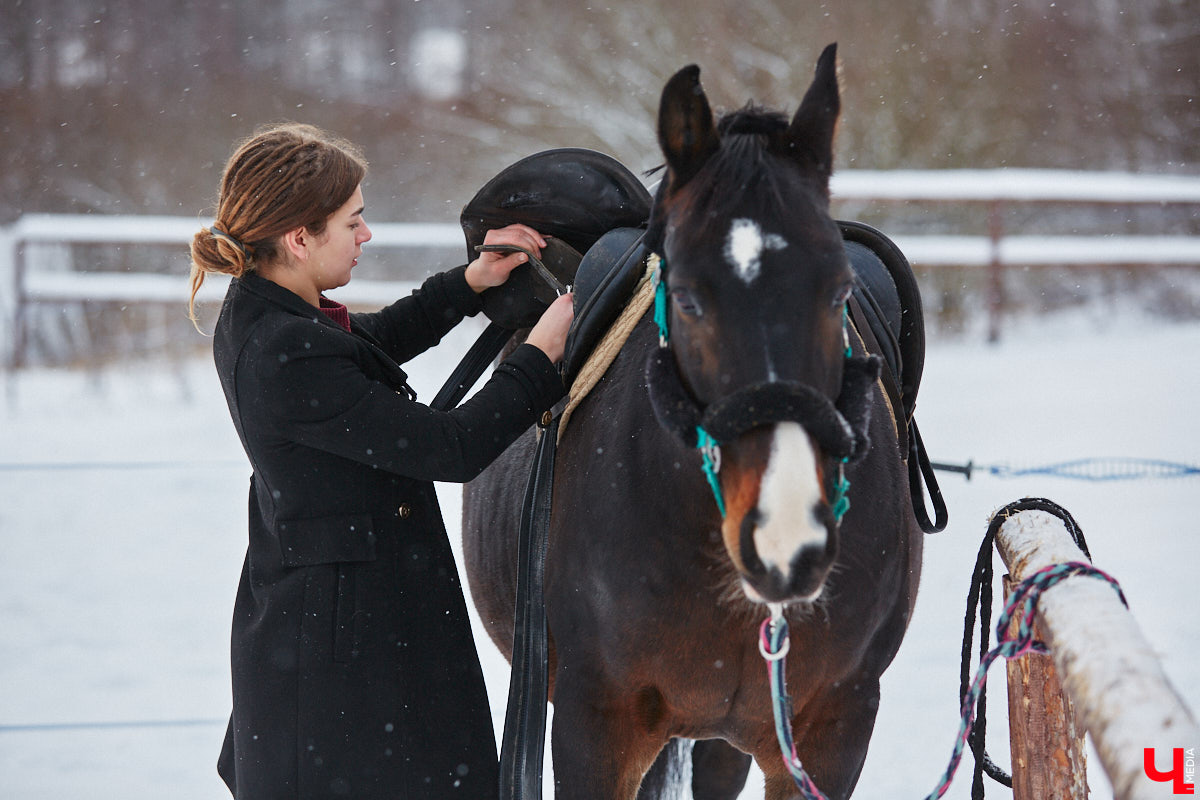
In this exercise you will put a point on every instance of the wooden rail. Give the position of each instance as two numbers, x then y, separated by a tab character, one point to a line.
994	251
1122	697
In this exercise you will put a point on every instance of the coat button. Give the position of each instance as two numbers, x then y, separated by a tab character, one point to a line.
547	418
405	511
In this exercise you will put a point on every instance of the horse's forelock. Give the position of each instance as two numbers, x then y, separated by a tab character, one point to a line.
749	171
752	119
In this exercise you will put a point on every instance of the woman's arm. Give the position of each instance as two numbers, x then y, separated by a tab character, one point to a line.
319	396
413	324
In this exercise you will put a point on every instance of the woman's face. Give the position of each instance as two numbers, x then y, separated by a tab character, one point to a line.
333	254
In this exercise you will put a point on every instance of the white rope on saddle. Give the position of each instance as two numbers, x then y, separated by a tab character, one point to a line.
606	351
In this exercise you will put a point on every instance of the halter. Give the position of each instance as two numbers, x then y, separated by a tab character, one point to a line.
839	427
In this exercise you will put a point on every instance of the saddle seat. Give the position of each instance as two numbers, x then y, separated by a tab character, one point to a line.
604	283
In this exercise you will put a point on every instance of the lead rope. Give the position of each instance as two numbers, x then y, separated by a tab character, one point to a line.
1026	594
773	644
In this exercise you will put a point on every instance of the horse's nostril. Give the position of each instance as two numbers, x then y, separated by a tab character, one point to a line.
751	561
808	569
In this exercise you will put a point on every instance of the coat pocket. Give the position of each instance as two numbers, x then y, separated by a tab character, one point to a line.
326	540
346	614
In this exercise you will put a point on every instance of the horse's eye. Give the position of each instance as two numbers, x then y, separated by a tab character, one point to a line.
685	302
843	295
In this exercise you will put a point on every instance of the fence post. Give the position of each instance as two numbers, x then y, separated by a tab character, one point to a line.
1124	699
1049	757
995	269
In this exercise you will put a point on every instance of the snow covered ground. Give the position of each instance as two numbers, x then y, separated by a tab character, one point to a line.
121	541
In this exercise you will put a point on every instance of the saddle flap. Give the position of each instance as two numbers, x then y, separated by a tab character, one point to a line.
573	194
519	301
891	295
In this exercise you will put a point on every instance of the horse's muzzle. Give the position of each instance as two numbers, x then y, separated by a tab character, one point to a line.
802	583
779	528
779	525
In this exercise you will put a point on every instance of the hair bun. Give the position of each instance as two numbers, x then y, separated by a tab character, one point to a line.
213	250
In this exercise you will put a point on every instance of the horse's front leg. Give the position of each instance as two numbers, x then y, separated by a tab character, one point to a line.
831	736
601	750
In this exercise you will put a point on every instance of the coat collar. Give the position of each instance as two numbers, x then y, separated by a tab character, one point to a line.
286	298
293	303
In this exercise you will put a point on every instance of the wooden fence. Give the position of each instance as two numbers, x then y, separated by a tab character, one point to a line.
1119	692
21	286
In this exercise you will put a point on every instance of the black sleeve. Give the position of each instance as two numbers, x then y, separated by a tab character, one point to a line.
317	395
413	324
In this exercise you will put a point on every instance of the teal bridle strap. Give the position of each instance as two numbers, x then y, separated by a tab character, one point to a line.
660	303
841	489
710	454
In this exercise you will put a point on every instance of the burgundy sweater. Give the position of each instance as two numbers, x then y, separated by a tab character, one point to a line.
336	312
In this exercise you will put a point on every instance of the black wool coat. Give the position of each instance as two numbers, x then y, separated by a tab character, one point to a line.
354	668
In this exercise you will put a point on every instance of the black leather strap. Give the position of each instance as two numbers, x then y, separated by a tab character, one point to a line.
482	353
920	473
522	746
891	383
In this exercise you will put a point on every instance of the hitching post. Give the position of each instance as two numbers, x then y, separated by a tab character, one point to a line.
1121	694
1049	753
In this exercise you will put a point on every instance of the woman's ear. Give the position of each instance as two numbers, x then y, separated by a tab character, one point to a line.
295	243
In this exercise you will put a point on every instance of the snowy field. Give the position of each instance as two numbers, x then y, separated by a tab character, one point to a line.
122	524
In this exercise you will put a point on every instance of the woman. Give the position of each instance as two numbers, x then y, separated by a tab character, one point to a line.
354	669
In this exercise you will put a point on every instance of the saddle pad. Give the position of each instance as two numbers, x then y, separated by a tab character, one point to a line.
603	355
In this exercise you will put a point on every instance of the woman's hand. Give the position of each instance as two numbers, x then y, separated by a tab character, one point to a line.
550	333
492	269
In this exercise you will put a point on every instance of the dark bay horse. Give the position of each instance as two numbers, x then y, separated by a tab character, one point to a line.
653	595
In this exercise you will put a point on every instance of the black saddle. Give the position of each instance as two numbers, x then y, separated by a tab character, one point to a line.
572	194
604	283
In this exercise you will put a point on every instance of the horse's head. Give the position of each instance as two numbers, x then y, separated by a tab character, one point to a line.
756	283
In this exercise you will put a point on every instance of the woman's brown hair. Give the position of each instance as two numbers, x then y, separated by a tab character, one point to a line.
283	177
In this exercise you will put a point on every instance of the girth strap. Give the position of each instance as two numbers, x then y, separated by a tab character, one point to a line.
523	743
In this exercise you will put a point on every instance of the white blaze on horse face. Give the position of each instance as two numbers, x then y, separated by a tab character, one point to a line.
744	247
788	498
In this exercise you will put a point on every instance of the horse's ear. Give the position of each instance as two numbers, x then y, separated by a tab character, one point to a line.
810	136
686	131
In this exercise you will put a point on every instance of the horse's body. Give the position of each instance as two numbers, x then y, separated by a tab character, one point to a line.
647	587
